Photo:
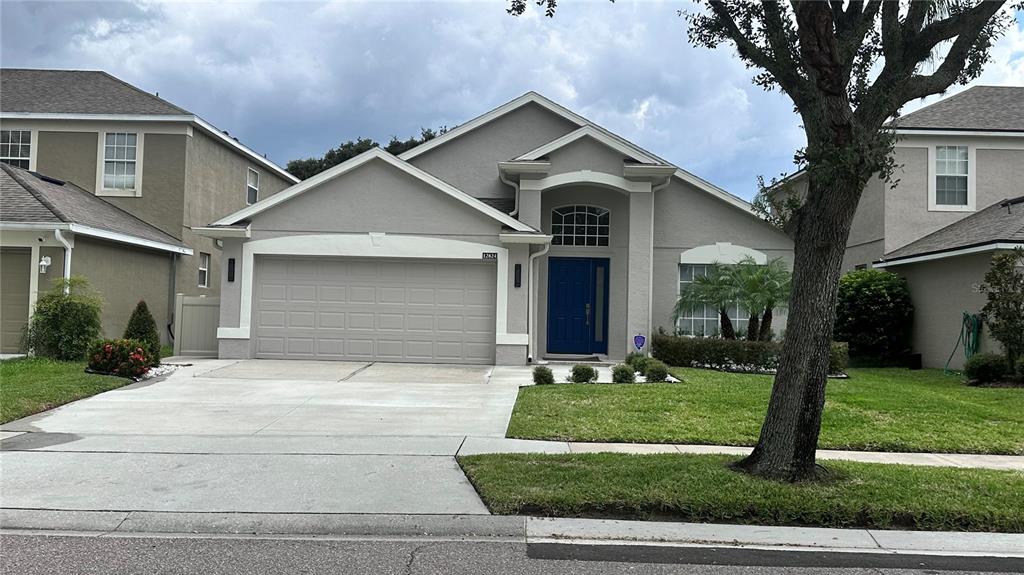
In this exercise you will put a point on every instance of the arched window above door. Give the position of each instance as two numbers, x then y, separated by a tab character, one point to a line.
580	225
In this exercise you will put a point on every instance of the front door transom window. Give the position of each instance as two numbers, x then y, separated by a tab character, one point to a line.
579	226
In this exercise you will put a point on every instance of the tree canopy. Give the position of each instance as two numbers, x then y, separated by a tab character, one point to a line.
308	167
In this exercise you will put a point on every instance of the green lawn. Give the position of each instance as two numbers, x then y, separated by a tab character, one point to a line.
701	488
875	410
31	385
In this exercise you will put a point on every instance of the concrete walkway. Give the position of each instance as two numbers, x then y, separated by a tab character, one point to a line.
473	446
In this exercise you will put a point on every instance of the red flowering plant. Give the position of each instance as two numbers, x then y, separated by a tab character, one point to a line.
121	357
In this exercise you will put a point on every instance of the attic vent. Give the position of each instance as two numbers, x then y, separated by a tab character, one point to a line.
48	178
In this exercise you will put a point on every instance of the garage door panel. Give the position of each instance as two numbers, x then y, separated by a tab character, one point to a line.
389	310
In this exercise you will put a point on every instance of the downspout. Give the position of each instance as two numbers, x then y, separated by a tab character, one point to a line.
515	186
67	258
662	185
171	296
531	299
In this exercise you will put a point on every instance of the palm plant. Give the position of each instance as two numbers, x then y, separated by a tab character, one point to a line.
760	289
715	289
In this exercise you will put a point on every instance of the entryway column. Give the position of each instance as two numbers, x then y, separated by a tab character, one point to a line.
641	261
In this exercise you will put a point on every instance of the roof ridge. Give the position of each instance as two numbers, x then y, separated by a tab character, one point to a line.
27	185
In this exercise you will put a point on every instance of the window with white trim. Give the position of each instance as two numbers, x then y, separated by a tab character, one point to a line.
951	170
16	147
119	161
252	187
204	269
702	321
580	226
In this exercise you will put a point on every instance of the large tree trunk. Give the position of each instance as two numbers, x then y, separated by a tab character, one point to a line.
766	325
753	327
789	436
726	324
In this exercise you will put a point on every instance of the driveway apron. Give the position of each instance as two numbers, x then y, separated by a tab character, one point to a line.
262	436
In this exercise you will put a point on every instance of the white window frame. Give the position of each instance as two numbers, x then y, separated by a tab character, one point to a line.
597	238
203	279
972	163
33	143
101	159
740	320
256	187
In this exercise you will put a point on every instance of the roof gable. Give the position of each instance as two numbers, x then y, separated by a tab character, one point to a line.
353	163
601	136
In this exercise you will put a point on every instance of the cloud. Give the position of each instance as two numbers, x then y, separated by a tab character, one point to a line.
292	79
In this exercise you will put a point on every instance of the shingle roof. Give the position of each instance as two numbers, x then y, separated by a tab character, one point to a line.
76	92
1002	222
988	108
26	197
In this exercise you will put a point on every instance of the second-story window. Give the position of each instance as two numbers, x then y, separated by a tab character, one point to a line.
951	168
119	160
252	187
16	147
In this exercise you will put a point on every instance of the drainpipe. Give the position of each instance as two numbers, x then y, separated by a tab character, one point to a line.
532	296
67	257
515	186
662	185
172	284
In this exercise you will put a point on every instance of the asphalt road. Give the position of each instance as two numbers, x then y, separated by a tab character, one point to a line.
58	555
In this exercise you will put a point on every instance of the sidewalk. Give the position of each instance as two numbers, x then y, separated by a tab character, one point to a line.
480	445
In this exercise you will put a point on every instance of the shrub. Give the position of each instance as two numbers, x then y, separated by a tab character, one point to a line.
1004	310
121	357
582	374
727	354
874	314
656	371
542	375
637	361
623	373
142	327
838	357
63	325
985	368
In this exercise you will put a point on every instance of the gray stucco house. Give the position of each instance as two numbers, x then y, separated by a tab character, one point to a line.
138	153
955	203
526	233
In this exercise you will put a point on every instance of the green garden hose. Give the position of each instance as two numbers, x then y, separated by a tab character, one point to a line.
970	337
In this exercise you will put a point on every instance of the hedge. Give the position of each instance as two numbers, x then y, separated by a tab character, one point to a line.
732	354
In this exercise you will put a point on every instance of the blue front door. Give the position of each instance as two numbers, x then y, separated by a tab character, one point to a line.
577	305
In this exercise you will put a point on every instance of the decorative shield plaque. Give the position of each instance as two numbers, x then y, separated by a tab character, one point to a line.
638	341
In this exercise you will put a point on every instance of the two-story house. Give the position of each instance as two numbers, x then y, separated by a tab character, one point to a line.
134	151
955	200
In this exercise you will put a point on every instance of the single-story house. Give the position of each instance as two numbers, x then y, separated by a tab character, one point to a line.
53	229
526	233
944	271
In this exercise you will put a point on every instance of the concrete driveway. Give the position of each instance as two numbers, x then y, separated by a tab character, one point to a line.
263	436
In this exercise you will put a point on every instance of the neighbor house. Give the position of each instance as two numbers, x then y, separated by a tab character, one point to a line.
137	152
949	209
526	233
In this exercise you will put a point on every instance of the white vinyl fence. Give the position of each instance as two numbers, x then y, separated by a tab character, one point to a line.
195	325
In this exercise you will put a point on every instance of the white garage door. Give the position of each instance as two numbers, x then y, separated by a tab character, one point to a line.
375	309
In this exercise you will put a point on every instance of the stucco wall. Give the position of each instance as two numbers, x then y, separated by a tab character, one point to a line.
586	154
862	254
376	197
617	253
684	218
68	156
941	291
163	184
124	275
470	162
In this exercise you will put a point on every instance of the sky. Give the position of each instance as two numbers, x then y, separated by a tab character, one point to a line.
293	79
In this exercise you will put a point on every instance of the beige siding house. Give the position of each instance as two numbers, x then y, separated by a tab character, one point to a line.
137	152
528	233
